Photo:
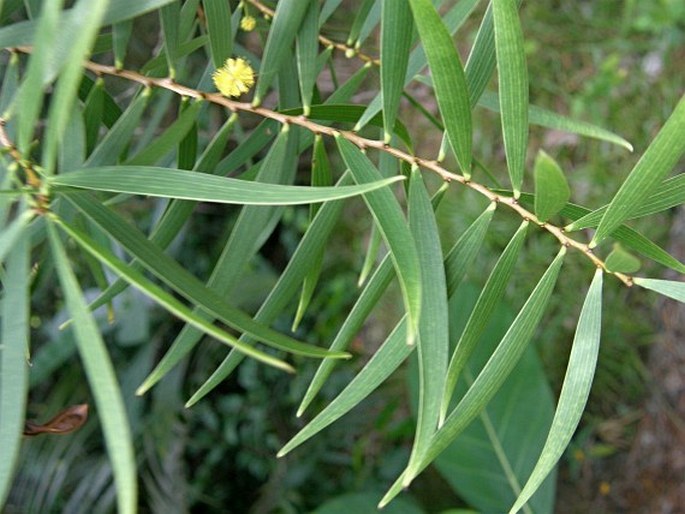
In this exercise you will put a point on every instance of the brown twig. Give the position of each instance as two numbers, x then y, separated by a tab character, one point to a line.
362	142
349	51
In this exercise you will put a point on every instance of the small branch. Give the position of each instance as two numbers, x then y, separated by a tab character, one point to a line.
32	178
362	142
345	49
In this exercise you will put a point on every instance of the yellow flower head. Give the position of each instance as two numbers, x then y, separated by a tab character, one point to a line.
248	23
234	78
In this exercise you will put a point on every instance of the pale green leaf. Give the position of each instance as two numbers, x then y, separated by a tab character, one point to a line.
30	97
669	194
461	255
102	380
121	133
218	15
384	361
284	27
313	242
306	49
670	288
490	296
659	158
169	139
89	14
361	14
451	90
184	283
492	375
550	119
253	225
393	226
170	18
121	34
14	370
190	185
396	37
453	19
513	87
433	340
166	300
574	391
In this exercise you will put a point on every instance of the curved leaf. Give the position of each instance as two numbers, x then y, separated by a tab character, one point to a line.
186	284
491	376
659	158
396	36
164	299
190	185
392	225
451	90
669	194
14	372
433	340
102	379
574	392
487	301
513	87
284	27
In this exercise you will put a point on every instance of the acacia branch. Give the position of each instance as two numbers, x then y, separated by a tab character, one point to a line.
362	142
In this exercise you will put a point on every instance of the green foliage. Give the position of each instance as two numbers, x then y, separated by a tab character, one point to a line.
141	174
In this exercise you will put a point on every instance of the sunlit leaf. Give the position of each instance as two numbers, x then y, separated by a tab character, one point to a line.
574	391
659	158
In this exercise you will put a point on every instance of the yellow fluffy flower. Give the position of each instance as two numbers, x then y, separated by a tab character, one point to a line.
234	78
248	23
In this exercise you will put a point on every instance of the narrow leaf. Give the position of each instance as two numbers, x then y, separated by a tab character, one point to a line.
450	82
396	37
670	288
669	194
311	244
493	374
121	34
170	17
461	255
218	15
386	360
184	283
433	340
14	333
90	14
30	96
490	296
121	133
513	87
284	27
169	140
307	46
393	226
659	158
102	380
190	185
167	301
550	119
574	392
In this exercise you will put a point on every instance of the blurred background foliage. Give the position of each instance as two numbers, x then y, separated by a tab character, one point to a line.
614	63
